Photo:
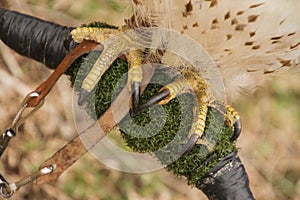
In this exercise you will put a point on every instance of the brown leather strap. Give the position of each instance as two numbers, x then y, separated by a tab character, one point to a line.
46	86
75	149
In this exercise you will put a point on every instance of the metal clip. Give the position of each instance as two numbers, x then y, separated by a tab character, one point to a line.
18	120
3	185
7	190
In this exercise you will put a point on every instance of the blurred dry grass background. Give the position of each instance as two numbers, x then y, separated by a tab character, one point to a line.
270	142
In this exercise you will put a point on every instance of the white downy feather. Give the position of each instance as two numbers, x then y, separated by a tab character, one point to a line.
250	40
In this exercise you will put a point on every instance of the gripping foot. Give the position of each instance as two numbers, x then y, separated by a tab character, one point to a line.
155	99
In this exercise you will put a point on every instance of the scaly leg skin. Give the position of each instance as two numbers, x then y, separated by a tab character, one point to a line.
191	82
200	89
231	115
95	34
166	94
109	54
234	120
104	61
135	75
179	86
106	58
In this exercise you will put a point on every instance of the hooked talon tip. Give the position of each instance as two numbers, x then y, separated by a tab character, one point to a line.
135	95
83	96
237	130
135	112
154	100
190	145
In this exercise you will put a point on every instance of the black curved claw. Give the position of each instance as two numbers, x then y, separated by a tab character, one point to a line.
189	146
237	129
83	96
135	95
155	99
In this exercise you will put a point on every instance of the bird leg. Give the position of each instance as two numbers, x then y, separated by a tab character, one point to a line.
109	54
135	75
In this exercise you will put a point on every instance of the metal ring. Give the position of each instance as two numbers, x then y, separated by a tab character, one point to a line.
3	194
